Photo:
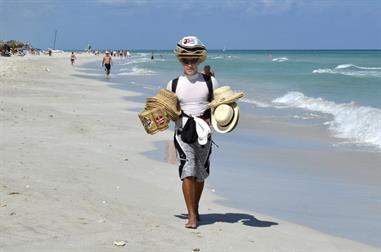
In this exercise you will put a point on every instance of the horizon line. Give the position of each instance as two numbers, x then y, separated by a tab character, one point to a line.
314	49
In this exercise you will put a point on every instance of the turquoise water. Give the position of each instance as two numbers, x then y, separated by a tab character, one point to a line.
343	85
339	76
337	90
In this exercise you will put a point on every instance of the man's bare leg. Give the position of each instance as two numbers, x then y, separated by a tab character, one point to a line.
190	201
199	186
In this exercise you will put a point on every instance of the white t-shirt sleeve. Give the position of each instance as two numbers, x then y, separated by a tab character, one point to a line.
169	86
214	82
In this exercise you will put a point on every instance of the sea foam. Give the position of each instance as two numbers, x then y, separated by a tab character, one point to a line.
259	104
255	102
281	59
135	60
351	70
136	71
344	66
359	124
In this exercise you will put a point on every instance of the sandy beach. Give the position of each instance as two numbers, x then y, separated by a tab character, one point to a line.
73	176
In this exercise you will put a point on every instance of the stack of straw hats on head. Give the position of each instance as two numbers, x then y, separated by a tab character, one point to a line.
159	110
225	111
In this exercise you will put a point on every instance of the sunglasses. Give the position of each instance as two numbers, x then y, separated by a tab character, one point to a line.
190	61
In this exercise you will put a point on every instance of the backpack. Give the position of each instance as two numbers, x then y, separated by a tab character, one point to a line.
189	133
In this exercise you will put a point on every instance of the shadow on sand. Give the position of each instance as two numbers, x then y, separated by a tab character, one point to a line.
245	219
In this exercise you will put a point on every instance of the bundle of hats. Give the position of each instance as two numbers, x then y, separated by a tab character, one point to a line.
168	100
159	110
225	111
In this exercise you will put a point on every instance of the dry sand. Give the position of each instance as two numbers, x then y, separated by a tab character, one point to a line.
73	177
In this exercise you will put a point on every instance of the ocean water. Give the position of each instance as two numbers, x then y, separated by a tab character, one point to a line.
337	92
342	88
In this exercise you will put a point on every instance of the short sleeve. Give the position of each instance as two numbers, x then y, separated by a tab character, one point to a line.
214	82
169	85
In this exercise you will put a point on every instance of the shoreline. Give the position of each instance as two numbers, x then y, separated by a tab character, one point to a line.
283	145
74	176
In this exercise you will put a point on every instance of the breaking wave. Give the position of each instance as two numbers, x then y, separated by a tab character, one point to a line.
136	60
351	70
259	104
359	124
136	71
281	59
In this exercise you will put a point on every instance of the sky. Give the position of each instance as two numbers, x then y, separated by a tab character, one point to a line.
160	24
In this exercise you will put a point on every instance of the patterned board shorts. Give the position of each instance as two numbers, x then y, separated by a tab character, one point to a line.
193	158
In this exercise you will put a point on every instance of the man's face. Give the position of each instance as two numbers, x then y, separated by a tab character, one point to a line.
190	65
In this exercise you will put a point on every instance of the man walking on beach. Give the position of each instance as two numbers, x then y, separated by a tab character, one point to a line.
72	58
107	60
194	91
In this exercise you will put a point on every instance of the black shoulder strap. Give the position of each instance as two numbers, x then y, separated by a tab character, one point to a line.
209	83
174	84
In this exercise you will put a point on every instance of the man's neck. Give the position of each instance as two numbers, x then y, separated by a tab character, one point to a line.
191	77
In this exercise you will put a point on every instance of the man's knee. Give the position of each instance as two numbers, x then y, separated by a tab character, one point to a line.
190	178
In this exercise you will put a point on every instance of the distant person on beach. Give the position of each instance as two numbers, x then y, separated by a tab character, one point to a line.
72	58
152	57
107	61
208	71
194	91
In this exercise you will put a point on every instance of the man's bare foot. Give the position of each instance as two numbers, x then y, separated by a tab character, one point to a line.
192	223
191	226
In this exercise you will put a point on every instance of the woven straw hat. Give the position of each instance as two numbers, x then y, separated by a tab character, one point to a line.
225	117
224	95
166	99
154	120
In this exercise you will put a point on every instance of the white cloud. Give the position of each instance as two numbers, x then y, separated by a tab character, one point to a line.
26	9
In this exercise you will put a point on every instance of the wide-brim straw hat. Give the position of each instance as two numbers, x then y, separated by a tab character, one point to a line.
224	95
225	117
168	100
